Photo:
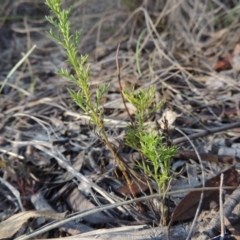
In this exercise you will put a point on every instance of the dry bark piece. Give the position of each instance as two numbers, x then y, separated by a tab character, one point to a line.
207	132
230	159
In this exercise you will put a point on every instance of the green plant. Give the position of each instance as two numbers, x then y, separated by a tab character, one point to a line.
89	102
138	135
149	141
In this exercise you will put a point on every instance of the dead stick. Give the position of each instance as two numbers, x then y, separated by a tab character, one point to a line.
207	132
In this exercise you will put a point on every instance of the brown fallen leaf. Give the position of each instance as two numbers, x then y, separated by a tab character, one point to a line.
223	64
11	225
186	209
230	61
137	187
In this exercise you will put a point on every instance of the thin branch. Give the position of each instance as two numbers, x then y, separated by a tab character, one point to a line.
207	132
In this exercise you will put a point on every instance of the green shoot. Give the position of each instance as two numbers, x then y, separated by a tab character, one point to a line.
80	76
148	141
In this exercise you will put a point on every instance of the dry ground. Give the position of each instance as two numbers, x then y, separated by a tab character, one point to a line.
51	158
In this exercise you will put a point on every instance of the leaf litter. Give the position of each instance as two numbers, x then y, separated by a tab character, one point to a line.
49	149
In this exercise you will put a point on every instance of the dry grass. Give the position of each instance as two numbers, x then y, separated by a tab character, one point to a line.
41	129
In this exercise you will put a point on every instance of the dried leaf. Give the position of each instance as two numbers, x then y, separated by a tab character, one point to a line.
232	60
229	151
170	116
223	64
236	58
186	209
78	202
214	83
138	187
10	226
